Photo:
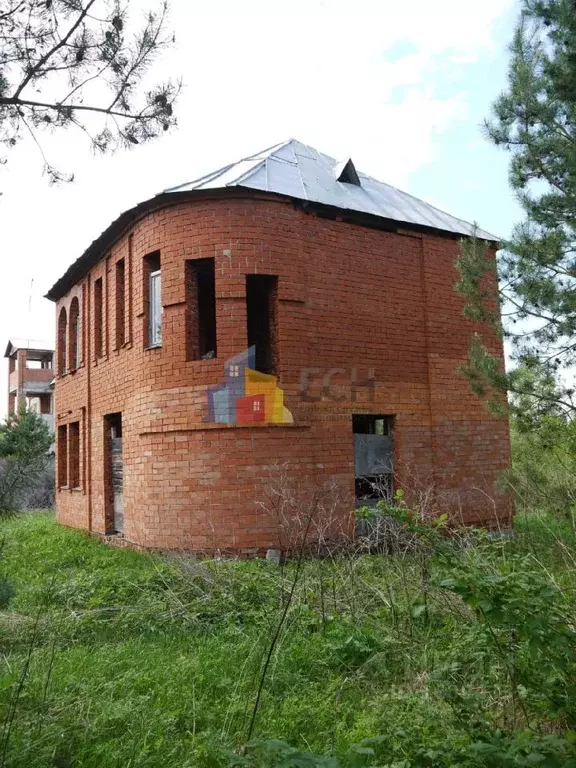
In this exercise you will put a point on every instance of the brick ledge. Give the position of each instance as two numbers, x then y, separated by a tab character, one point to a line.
215	425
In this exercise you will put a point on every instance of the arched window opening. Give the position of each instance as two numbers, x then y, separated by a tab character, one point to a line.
62	328
74	338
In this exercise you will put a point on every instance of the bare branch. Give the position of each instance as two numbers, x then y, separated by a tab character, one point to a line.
71	108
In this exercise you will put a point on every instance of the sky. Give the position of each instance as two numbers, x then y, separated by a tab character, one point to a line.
400	87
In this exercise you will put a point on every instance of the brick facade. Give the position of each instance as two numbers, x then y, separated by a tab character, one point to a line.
29	377
355	301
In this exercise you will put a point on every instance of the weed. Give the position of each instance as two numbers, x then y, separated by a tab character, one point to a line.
455	650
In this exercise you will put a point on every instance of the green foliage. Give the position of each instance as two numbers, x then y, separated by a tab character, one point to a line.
24	438
523	619
534	120
366	513
6	593
24	444
543	472
536	402
486	375
476	268
113	657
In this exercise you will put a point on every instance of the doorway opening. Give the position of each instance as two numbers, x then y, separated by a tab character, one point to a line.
114	473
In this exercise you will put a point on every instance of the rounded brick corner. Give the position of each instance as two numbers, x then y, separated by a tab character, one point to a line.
367	321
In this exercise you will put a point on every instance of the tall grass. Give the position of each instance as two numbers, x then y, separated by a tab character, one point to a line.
118	658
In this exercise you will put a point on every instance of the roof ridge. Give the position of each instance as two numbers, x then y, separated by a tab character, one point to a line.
219	171
249	172
308	174
311	178
206	177
267	151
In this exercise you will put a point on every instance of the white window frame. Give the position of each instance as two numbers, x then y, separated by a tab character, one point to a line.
155	309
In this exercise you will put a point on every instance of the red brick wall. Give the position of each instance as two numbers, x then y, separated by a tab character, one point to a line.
350	298
20	376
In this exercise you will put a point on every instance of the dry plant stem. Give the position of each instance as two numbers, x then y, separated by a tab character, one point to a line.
279	626
48	679
11	713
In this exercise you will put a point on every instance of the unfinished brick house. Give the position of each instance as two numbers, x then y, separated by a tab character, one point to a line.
30	377
324	299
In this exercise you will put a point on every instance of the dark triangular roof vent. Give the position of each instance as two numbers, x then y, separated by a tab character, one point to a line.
346	172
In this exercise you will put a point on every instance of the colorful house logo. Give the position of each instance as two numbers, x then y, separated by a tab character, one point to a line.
247	396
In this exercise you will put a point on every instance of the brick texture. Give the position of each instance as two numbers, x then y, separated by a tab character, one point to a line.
363	304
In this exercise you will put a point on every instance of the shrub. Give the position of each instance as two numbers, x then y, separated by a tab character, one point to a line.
24	444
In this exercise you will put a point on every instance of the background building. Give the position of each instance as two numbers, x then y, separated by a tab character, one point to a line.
31	376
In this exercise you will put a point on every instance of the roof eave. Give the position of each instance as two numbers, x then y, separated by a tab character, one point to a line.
96	250
380	222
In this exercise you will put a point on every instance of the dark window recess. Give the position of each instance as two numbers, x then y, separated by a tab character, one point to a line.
62	451
74	454
120	303
98	317
114	423
373	458
74	335
201	309
366	424
373	488
261	314
62	339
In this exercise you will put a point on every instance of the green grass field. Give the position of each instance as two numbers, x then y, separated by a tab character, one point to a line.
116	658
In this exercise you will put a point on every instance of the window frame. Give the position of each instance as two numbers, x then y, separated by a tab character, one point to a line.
155	309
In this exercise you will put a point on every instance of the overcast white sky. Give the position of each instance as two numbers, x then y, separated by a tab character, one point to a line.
401	87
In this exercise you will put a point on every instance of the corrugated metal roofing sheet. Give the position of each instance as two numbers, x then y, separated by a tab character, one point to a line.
299	171
294	170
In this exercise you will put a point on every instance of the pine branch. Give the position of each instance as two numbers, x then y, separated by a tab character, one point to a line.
47	56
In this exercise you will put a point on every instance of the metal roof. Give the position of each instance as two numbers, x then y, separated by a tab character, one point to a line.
31	344
299	171
289	169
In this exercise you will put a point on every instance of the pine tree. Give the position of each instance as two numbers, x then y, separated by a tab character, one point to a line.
535	121
81	63
25	442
